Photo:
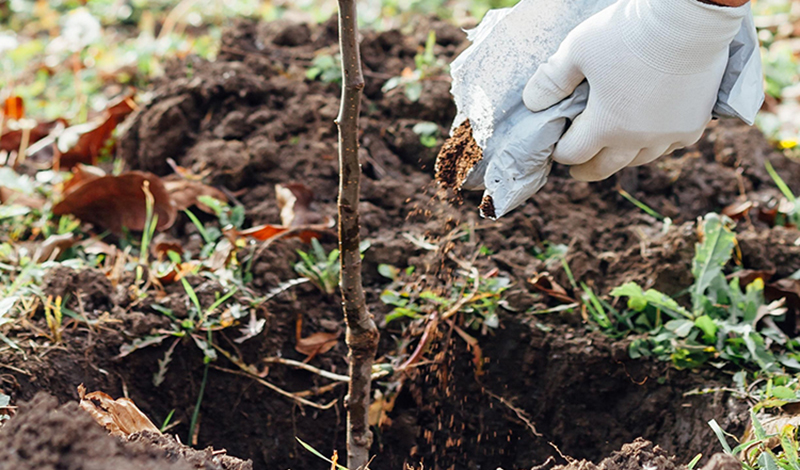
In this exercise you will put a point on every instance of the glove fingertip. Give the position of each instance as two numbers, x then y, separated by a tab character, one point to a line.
538	98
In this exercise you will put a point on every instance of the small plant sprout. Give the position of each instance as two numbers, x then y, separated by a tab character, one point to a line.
427	132
320	268
53	316
427	66
326	68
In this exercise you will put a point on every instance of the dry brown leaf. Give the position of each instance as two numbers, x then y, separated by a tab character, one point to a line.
53	246
297	218
318	343
120	417
94	135
12	196
746	276
544	283
184	194
221	256
294	200
114	202
737	210
82	174
12	138
164	243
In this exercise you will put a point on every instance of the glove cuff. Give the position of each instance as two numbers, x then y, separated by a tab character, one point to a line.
692	36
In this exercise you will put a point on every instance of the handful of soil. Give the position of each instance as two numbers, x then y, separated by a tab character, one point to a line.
459	154
457	158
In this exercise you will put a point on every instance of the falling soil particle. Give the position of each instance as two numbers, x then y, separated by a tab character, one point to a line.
45	436
487	207
459	154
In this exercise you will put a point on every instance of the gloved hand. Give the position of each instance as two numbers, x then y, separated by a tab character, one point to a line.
654	69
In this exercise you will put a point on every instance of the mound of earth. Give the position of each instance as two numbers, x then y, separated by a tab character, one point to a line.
252	119
45	436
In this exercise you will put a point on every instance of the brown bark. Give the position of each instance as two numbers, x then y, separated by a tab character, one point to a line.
362	334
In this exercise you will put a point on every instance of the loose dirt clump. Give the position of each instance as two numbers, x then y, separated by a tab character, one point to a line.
459	154
45	436
641	454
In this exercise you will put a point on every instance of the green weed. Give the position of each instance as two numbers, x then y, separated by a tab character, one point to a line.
720	323
480	307
427	66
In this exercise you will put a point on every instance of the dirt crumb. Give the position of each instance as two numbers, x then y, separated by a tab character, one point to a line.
634	456
487	207
459	154
206	459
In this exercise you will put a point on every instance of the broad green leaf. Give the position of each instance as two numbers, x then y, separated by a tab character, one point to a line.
708	326
784	393
638	299
680	327
711	255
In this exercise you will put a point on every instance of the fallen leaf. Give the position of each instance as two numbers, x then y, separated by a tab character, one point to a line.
12	196
318	343
53	246
83	143
297	218
315	344
746	276
164	243
82	174
185	194
262	232
114	202
120	417
544	283
221	256
295	200
737	210
11	139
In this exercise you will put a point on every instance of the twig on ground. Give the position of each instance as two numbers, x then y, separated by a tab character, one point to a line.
520	413
275	388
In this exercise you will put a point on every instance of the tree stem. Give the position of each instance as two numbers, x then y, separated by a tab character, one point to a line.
362	334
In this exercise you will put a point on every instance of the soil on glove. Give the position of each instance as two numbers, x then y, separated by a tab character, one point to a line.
252	119
459	154
45	436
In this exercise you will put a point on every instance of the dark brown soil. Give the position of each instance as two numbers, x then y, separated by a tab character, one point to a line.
253	120
459	154
45	436
641	454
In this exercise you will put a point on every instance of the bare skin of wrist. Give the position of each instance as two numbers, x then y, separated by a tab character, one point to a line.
725	3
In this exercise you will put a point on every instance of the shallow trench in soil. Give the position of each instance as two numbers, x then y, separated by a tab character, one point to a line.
253	120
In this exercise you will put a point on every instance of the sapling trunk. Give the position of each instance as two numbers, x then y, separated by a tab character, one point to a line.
362	334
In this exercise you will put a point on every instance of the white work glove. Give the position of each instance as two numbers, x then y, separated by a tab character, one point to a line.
654	69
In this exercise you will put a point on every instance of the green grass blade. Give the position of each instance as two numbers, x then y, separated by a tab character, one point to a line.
721	436
316	452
